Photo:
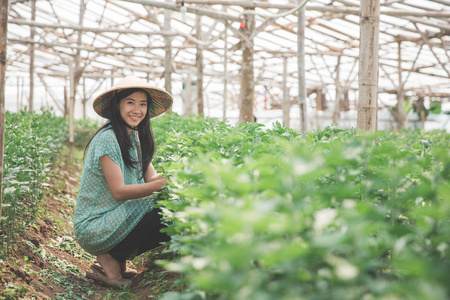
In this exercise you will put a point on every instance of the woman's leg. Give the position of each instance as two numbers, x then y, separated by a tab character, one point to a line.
144	237
110	265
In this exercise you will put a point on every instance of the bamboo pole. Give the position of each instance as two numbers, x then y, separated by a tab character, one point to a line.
32	33
3	42
199	64
368	65
247	72
301	69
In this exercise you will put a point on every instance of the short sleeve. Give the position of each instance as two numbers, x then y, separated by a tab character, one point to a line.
106	144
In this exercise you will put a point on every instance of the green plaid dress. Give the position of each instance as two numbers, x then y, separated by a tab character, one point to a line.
101	222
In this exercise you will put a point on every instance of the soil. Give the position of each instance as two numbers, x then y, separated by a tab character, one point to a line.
45	262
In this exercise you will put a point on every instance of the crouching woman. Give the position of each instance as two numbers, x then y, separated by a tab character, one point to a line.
115	218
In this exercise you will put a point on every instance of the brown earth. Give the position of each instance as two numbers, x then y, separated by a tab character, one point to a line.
45	262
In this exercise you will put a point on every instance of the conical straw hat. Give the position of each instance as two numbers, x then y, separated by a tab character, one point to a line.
160	100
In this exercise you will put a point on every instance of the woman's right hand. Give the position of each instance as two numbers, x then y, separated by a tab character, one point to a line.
122	191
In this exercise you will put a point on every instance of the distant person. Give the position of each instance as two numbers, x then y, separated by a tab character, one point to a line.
115	218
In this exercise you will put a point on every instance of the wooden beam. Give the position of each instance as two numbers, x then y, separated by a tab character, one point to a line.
199	64
286	101
71	109
368	65
301	63
225	75
426	41
247	73
195	10
337	100
3	42
32	33
325	8
90	29
400	113
168	53
50	91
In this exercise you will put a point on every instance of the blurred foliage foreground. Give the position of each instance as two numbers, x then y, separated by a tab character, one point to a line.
336	214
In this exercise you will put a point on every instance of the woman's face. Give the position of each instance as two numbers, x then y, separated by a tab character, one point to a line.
133	109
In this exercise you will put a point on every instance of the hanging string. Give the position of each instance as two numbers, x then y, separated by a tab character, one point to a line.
183	10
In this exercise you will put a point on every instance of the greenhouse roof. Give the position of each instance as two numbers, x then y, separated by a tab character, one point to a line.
115	38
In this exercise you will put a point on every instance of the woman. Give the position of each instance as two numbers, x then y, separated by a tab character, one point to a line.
114	215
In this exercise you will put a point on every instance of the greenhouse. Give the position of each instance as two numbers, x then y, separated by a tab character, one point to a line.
305	146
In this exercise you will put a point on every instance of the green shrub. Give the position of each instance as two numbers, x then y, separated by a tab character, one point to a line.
84	130
269	214
32	141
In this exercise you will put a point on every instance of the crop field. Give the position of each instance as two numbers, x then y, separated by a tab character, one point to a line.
253	213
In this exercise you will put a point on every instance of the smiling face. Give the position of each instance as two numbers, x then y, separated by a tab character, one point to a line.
133	109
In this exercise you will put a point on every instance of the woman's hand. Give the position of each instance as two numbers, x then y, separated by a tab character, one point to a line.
120	190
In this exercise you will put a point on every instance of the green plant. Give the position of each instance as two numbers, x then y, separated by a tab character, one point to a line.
84	130
32	141
337	214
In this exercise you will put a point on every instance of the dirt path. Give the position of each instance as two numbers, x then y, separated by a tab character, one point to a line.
47	263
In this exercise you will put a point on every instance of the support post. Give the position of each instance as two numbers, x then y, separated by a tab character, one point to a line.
337	102
225	75
168	54
84	99
18	93
368	65
400	110
301	68
66	101
286	104
32	33
199	64
71	109
247	76
3	40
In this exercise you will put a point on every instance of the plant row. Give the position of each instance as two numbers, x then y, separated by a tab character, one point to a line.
32	142
335	214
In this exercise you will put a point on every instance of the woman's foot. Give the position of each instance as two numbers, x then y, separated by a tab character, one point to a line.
127	272
110	265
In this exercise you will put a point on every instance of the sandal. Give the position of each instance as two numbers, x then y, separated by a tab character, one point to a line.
101	277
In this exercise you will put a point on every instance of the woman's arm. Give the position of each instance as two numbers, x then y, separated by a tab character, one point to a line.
151	174
120	190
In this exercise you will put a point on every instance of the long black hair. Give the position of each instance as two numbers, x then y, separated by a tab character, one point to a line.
144	129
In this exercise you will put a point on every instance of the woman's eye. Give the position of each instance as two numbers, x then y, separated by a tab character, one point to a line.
130	102
144	104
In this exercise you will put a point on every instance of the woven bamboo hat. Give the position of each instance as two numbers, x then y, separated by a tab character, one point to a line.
160	100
